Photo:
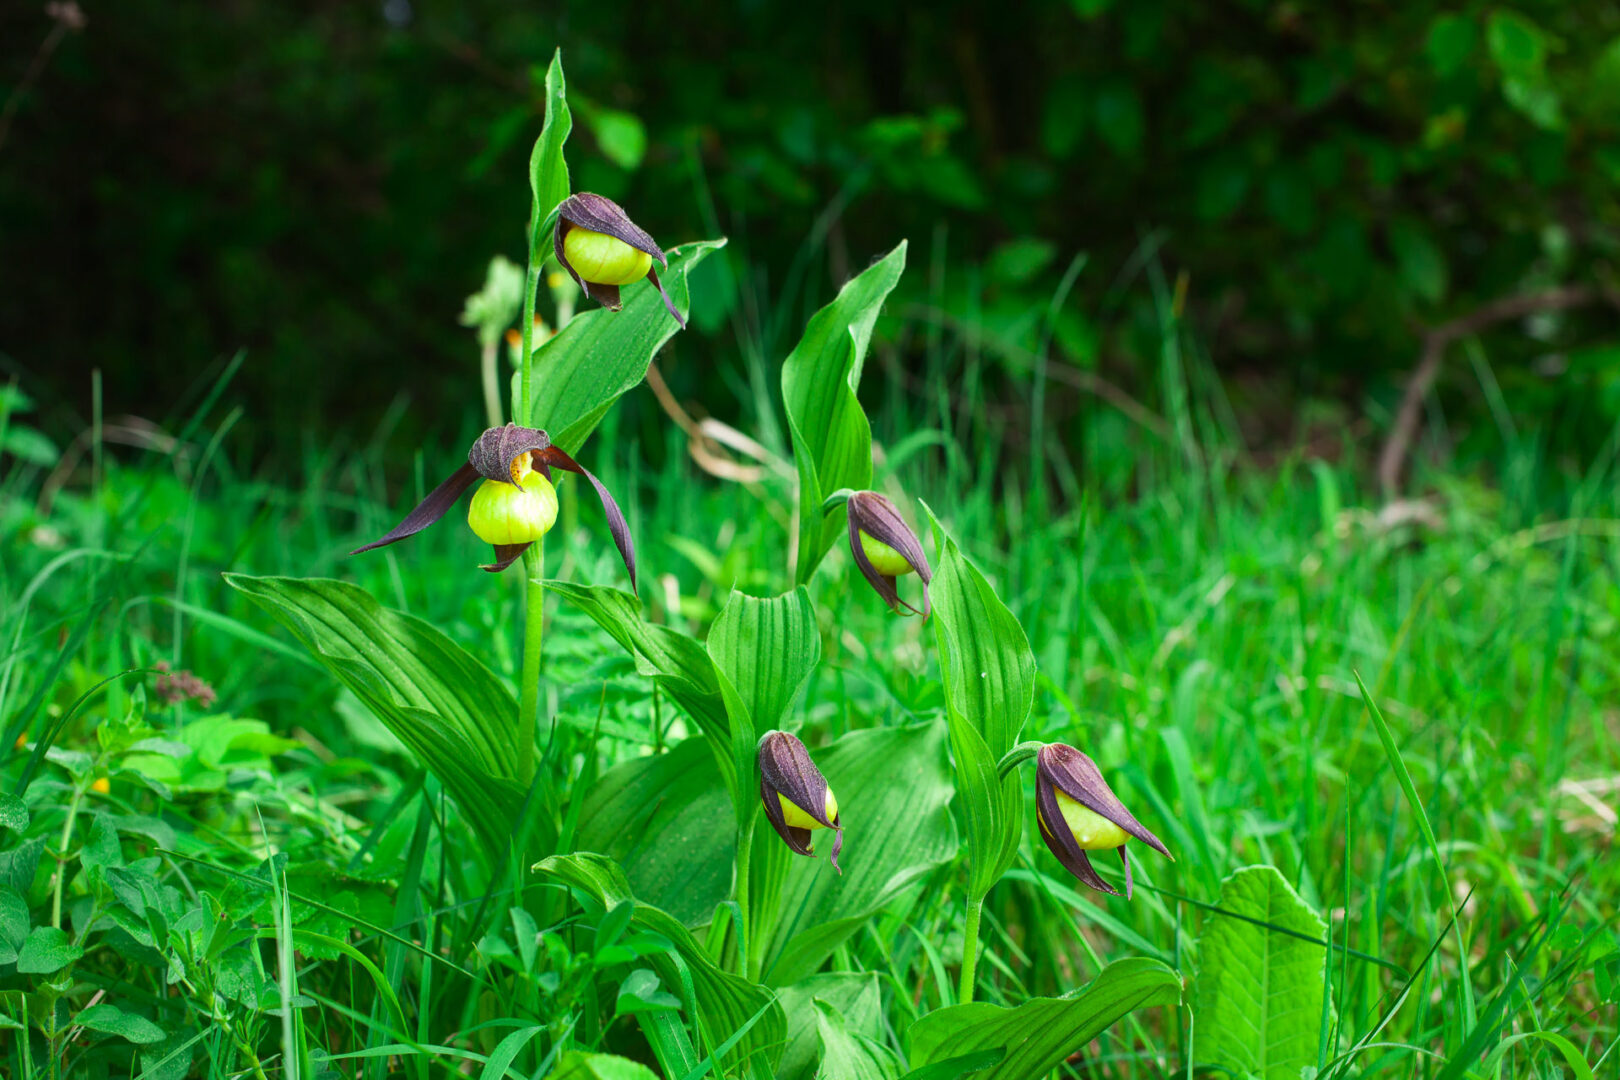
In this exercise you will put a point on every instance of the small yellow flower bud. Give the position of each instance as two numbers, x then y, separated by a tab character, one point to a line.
1092	831
101	784
884	559
506	514
801	820
603	259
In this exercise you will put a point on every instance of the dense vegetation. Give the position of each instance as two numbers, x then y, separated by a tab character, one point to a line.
271	807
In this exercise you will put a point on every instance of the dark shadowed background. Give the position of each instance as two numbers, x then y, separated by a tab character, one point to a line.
1312	187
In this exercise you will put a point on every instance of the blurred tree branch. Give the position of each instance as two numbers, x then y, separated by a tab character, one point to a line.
1437	339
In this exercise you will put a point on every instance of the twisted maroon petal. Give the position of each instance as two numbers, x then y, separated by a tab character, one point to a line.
551	455
429	510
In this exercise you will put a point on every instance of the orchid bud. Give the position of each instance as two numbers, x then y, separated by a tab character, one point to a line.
885	548
796	796
602	249
1078	812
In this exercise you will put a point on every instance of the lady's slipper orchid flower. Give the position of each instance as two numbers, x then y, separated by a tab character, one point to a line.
1078	812
796	796
885	548
602	249
516	504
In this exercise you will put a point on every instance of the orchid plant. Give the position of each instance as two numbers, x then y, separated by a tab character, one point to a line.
726	955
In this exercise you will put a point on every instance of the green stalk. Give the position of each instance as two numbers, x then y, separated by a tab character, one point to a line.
534	594
534	633
739	890
61	855
490	371
970	950
526	361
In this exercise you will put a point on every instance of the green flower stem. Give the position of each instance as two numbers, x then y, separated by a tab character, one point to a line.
739	889
526	360
534	633
62	856
534	594
492	382
970	950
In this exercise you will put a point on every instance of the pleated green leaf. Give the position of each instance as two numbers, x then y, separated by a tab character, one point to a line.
848	1054
763	652
1042	1032
667	821
548	170
602	354
449	709
988	666
893	787
724	1002
832	441
677	663
1259	991
989	675
855	996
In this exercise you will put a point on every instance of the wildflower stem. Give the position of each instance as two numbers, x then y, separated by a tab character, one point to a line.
526	328
739	890
492	392
534	633
534	593
970	950
61	854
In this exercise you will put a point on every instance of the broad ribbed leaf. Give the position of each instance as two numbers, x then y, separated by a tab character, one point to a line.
579	1065
832	441
677	663
1259	991
893	787
763	652
449	709
548	170
988	666
667	820
989	674
1042	1032
602	354
725	1002
855	996
848	1054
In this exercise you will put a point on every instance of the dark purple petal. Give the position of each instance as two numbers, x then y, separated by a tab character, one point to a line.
796	838
785	768
1078	777
505	555
601	214
497	448
1060	841
652	275
429	510
876	516
620	529
838	845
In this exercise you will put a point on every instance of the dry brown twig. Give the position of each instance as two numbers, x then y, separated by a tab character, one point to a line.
65	16
1437	339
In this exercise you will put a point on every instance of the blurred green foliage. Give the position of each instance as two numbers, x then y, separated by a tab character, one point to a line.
325	183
